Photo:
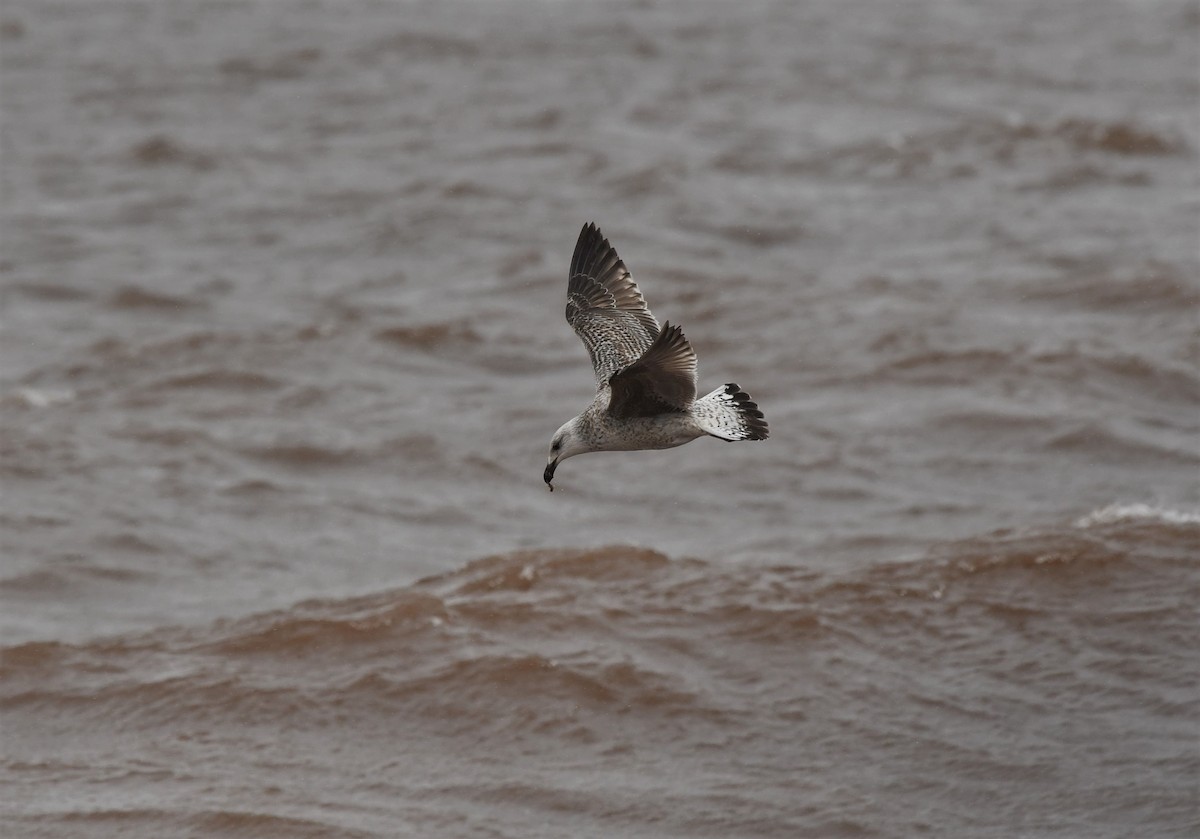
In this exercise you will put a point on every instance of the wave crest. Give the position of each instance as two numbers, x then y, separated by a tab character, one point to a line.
1120	513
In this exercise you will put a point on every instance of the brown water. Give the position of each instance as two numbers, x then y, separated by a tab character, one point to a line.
283	349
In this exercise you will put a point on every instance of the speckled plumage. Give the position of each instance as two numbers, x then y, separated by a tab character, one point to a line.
605	307
645	374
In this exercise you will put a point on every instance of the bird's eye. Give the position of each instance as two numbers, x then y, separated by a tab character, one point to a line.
555	446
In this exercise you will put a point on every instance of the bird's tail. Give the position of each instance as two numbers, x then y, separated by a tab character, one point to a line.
728	413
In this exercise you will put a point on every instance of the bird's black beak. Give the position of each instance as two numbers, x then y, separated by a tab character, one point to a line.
549	474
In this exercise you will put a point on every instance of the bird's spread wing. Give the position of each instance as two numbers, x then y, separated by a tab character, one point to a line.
663	380
605	307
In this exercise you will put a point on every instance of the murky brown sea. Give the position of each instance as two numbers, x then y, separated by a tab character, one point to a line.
283	348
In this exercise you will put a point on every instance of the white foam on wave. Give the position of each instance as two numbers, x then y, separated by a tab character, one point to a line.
33	398
1114	513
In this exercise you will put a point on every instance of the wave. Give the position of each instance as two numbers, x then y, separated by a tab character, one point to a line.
1116	137
284	66
421	46
420	452
312	624
1108	445
219	379
958	150
50	292
137	297
430	336
100	820
163	150
251	823
1152	286
612	627
1138	513
1166	380
35	398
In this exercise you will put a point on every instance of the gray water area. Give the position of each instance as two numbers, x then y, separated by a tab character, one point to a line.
283	291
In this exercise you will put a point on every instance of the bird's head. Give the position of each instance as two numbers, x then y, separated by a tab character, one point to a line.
567	442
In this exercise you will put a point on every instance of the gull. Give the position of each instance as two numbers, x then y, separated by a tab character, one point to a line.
645	374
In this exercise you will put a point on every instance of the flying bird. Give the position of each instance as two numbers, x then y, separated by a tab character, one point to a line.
645	374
